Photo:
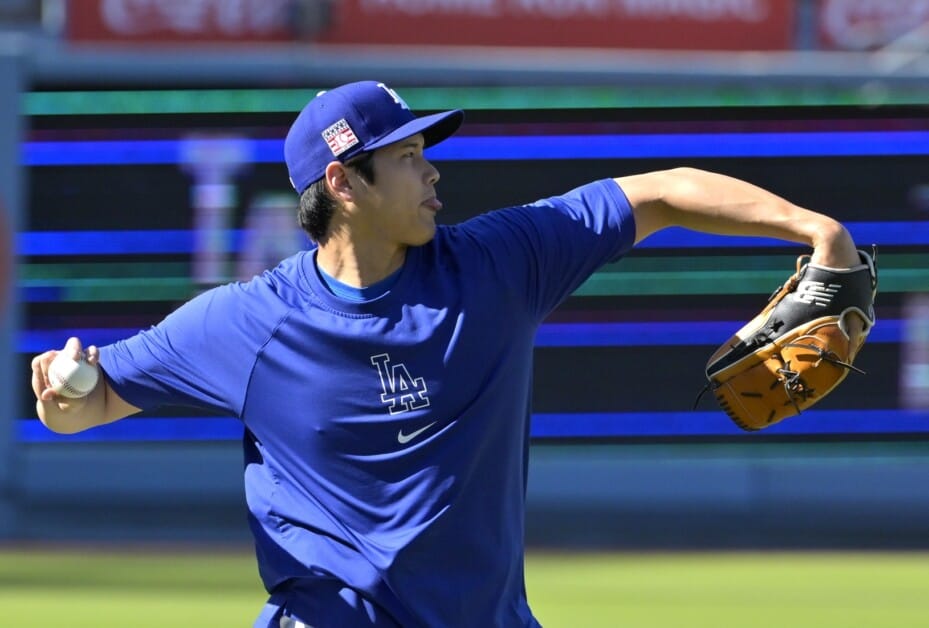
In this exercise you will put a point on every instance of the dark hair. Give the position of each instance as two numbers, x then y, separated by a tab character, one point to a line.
317	205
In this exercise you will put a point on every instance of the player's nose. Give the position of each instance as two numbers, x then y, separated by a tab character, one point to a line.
431	173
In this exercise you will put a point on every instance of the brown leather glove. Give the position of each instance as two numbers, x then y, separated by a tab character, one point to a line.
799	348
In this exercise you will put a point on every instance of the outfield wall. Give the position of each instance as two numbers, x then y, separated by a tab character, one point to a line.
853	495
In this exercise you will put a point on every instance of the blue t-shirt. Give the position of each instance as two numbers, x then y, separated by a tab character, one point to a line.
387	440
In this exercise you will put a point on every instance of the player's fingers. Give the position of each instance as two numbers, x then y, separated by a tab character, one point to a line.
42	388
73	348
44	359
855	325
40	372
92	354
49	394
38	380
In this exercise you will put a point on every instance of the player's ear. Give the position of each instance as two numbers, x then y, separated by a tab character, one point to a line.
338	181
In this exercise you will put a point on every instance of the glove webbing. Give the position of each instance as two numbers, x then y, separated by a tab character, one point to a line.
793	386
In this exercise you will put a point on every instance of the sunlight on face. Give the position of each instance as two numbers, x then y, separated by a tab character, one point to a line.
403	198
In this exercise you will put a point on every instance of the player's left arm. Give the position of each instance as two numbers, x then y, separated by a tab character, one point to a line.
715	203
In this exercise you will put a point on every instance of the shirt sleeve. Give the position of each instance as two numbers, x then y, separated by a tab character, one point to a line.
550	247
200	355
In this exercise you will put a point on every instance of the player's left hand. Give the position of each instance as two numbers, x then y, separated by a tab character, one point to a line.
799	348
837	250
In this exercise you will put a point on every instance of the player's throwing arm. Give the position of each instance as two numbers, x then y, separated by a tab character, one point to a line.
70	394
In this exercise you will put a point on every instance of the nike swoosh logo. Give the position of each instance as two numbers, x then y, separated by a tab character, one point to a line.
403	439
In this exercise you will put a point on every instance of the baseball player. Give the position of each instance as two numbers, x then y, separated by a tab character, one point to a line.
383	377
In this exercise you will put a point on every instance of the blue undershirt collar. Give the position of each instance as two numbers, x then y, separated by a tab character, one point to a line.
351	293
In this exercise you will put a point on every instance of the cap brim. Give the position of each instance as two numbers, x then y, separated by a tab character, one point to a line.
435	128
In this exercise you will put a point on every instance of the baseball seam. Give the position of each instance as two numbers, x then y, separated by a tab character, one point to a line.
61	383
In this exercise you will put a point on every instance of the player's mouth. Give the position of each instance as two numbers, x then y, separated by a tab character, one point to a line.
433	203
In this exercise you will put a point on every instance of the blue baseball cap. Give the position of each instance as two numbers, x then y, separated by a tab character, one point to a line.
352	119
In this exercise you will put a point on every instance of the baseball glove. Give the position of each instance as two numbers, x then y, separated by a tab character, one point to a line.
799	348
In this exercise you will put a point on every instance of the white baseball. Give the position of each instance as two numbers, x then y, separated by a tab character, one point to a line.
72	378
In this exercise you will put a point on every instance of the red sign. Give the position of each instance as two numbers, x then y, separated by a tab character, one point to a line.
179	20
661	24
868	24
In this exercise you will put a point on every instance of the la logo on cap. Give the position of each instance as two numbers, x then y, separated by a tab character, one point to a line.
395	96
340	137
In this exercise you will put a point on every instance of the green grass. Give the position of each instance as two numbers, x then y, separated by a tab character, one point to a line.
149	588
793	590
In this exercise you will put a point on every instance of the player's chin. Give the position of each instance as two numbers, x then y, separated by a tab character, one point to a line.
424	233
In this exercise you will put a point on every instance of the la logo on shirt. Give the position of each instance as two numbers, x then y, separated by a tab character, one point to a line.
400	391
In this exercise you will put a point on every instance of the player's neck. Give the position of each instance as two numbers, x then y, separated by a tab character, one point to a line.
359	266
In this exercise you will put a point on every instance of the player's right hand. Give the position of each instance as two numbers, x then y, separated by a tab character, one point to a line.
41	386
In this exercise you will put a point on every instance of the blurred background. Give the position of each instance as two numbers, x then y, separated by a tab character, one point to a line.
141	163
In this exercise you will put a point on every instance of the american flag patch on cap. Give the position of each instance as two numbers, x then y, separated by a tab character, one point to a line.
340	137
